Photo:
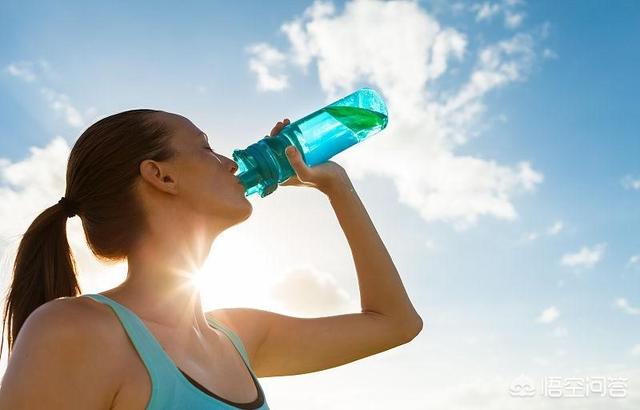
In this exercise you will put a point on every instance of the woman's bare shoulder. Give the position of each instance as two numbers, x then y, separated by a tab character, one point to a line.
65	346
88	327
77	324
76	316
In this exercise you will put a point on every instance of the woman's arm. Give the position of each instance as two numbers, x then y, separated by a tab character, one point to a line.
381	289
280	345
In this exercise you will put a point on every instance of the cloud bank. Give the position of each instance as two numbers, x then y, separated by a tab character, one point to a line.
401	50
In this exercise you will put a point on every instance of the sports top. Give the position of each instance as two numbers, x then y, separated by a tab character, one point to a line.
172	388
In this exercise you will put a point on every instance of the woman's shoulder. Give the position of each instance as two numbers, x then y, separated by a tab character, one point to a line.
76	315
78	328
61	315
65	345
82	325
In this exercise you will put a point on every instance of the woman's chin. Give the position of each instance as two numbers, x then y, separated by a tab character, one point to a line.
243	211
249	209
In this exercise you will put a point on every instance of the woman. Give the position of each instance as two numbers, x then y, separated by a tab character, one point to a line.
150	191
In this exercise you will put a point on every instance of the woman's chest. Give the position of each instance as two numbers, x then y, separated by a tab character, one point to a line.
225	375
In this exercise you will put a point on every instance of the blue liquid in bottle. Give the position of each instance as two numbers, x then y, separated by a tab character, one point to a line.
318	137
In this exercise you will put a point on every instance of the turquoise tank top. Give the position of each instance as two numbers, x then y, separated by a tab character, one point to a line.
171	388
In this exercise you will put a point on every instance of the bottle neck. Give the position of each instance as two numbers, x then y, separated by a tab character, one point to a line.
249	178
257	172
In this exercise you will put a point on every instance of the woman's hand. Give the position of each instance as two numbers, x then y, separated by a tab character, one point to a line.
324	177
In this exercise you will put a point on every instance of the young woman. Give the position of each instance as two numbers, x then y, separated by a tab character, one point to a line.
150	191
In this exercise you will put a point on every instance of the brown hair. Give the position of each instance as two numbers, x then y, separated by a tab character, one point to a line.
102	173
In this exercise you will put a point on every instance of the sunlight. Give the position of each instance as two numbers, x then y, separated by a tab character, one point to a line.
198	280
229	278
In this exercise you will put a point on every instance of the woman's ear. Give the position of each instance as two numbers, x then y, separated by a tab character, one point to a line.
159	175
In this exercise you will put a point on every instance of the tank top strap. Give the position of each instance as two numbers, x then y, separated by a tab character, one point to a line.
167	382
149	349
235	339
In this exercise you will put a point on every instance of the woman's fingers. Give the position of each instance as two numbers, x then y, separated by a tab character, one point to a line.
275	130
279	126
298	165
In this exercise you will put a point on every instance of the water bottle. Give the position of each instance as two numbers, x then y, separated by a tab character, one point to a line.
318	137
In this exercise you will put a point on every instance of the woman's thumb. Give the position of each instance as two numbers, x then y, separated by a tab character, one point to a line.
292	154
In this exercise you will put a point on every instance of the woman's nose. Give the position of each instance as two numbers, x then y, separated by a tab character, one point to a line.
231	164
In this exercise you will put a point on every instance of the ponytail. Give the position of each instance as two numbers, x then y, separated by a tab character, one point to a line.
44	269
102	178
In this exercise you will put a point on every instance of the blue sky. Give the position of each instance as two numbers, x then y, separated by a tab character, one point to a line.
483	262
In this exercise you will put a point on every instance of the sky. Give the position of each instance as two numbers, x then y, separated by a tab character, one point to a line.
505	187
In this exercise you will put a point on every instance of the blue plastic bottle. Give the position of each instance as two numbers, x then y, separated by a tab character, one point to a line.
318	137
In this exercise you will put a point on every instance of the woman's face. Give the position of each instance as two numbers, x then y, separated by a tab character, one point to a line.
205	179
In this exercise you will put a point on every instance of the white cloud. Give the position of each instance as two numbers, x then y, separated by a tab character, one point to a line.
513	20
636	350
447	44
23	70
507	61
630	182
585	257
485	10
40	175
263	61
533	235
548	315
634	260
623	304
303	49
550	231
311	292
33	72
407	51
29	71
555	229
60	103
